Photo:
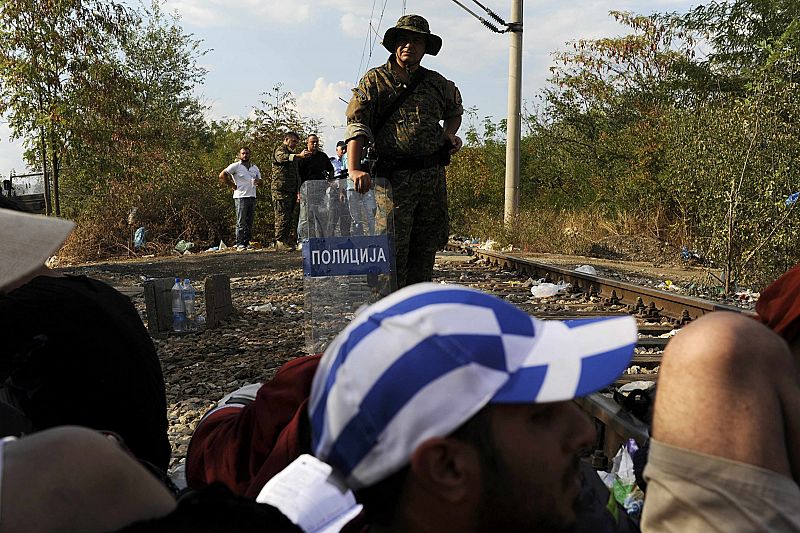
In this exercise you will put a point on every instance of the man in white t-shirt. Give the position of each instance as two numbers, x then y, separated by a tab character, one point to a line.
243	177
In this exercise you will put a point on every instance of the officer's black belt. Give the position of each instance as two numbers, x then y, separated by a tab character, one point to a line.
391	164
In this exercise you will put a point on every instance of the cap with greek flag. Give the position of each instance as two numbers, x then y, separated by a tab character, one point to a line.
424	360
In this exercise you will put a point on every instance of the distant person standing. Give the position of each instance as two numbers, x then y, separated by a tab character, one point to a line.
339	214
285	187
317	166
243	177
398	108
339	160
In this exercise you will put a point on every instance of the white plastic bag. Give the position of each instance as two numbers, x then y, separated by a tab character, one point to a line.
547	290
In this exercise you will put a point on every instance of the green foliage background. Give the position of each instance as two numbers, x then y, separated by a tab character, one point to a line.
685	130
642	135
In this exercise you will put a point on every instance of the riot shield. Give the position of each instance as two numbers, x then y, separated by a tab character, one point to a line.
348	254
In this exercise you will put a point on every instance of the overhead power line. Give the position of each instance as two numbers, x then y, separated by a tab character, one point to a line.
509	27
373	36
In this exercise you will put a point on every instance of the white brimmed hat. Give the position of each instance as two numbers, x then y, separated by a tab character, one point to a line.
27	241
424	360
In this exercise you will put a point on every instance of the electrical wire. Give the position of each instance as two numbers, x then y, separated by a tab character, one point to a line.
369	39
491	13
483	20
366	42
380	21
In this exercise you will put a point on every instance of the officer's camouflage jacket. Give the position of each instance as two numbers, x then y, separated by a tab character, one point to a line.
412	130
285	177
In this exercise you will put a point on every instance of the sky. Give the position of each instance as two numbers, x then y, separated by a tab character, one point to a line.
319	49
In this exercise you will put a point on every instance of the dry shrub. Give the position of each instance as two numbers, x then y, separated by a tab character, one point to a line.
589	232
189	209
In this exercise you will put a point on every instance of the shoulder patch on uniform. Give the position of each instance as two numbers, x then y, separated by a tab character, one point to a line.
358	93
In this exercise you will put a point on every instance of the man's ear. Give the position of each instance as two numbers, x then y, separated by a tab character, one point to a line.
447	467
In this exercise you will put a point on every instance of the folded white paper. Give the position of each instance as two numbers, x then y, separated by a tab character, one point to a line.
309	495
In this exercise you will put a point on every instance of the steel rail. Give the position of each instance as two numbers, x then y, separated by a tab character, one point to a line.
642	301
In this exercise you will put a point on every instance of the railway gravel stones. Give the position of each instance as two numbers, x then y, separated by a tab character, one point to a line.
247	347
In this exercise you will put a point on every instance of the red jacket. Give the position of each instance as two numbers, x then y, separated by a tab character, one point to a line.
243	447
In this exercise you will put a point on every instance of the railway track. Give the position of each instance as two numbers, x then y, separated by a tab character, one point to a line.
641	301
659	315
247	348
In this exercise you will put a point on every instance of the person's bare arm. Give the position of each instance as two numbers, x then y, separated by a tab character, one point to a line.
361	179
451	126
227	180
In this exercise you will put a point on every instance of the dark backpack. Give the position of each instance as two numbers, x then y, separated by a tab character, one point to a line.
75	352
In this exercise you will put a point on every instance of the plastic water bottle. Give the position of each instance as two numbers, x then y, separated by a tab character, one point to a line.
178	310
188	305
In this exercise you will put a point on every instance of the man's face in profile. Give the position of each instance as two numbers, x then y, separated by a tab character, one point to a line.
292	142
534	481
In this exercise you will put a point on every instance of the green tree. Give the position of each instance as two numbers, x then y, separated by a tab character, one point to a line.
603	113
734	163
741	34
147	118
43	46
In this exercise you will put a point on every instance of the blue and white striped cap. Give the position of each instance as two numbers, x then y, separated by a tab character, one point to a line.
424	360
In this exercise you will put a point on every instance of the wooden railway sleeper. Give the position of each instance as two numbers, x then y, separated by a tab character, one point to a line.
650	311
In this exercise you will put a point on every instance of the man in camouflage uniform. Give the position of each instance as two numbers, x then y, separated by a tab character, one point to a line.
285	187
412	146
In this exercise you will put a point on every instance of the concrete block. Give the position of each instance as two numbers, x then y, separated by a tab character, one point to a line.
218	299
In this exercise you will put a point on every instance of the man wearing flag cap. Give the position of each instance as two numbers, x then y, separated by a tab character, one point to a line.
447	409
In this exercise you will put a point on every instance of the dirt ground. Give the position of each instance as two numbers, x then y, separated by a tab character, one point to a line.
129	272
201	367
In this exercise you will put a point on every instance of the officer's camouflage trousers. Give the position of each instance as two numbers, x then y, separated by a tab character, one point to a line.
284	204
421	223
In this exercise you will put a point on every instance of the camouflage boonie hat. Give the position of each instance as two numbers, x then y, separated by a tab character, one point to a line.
416	24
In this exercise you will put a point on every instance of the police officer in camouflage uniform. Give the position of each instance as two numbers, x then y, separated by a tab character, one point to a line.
412	146
285	188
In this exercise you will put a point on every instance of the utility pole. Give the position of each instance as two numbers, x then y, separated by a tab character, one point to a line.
514	118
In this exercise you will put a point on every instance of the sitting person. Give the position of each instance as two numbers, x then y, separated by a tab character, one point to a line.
778	307
75	351
70	479
77	479
725	452
455	469
67	478
254	433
